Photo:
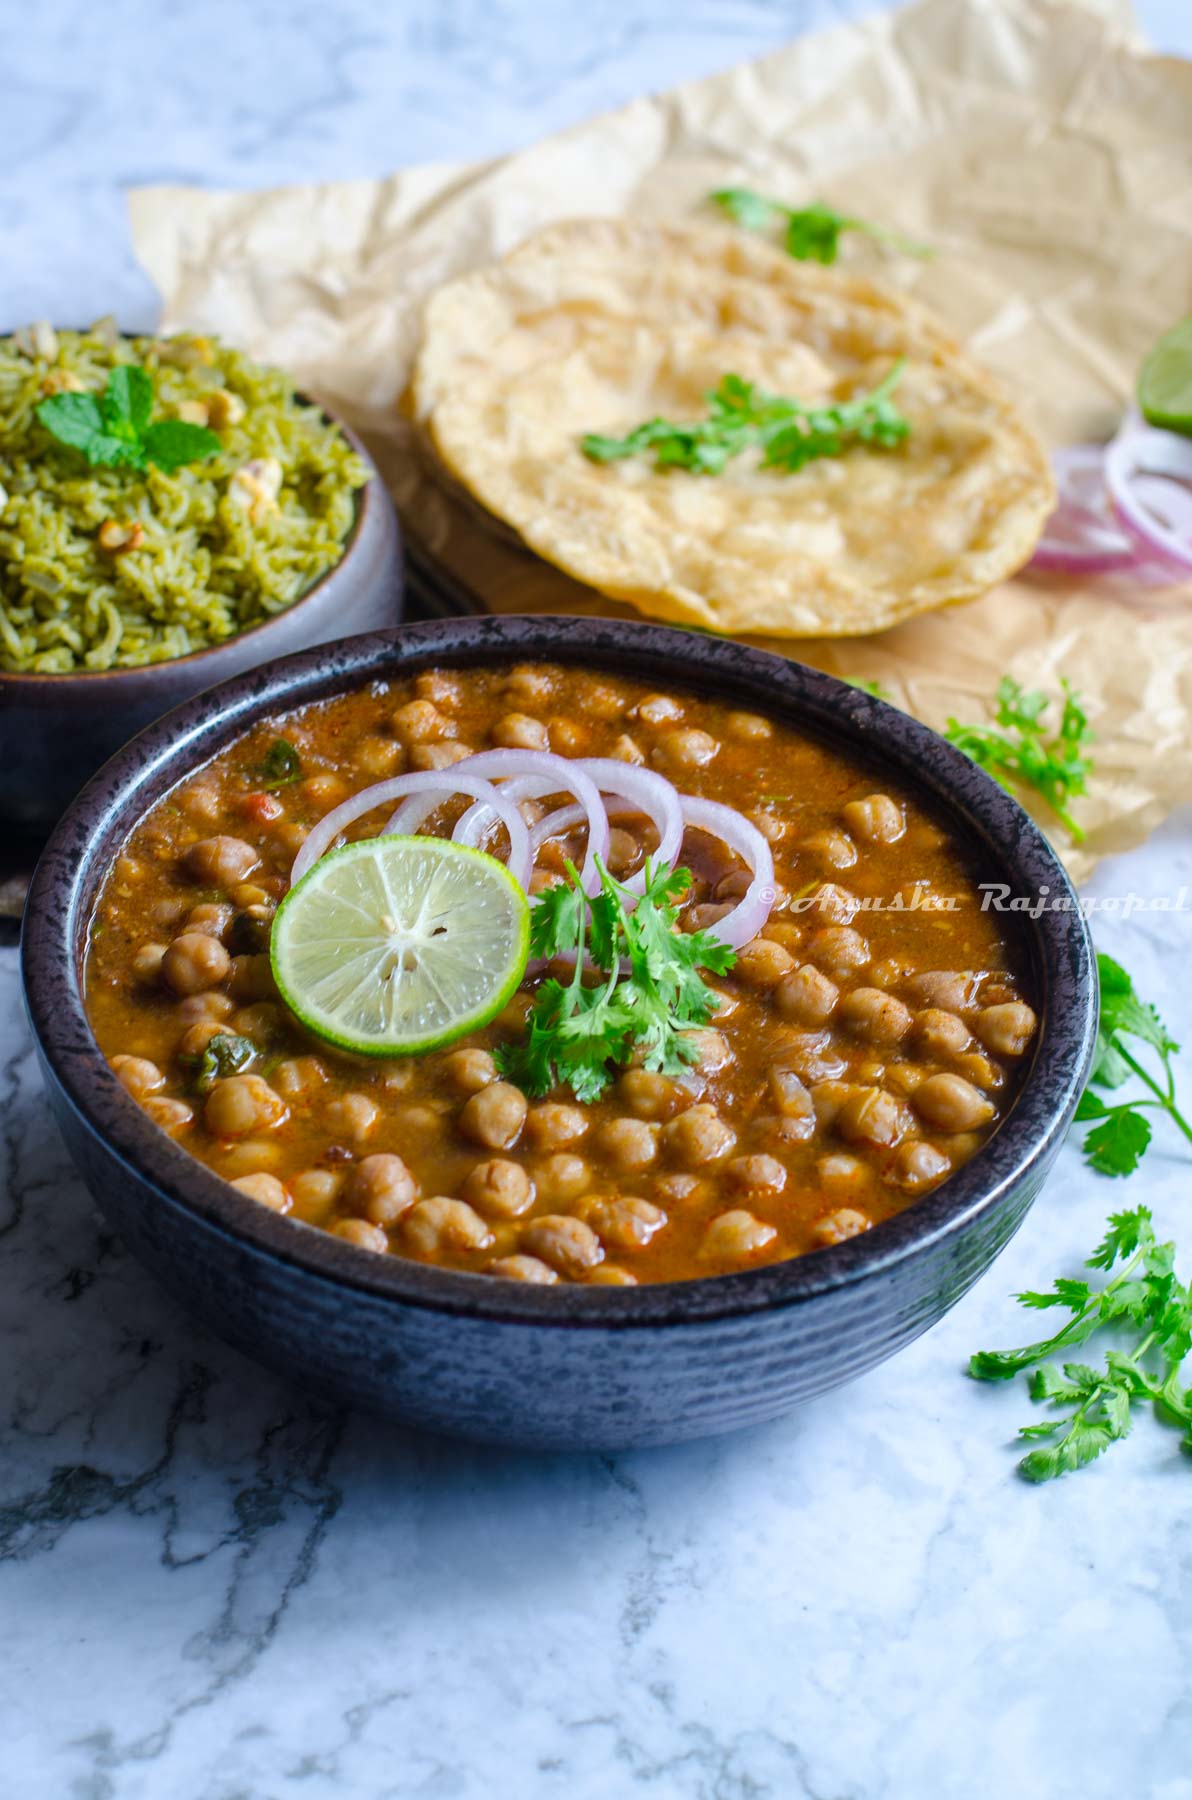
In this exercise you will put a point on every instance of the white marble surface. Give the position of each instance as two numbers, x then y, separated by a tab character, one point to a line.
209	1590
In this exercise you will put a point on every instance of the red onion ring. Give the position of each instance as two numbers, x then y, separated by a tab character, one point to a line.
650	794
1082	537
529	768
756	903
324	834
1141	450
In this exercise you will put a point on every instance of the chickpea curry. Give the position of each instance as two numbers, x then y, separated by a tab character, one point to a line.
857	1035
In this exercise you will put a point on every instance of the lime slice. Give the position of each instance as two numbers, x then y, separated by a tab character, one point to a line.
1165	383
398	944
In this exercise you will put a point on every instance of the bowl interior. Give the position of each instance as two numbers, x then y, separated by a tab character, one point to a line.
1003	843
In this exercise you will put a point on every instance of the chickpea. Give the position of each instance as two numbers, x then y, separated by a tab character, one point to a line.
761	963
501	1187
756	1174
955	992
265	1189
494	1117
381	1188
567	737
734	1236
871	1116
194	962
626	751
441	1224
827	1097
262	1021
562	1177
658	709
780	1131
807	996
683	750
812	1055
221	861
1006	1029
790	1094
569	1245
523	1268
552	1125
673	1190
624	852
434	685
772	829
839	951
711	1048
202	800
919	1166
361	1233
835	903
951	1103
837	1227
378	757
299	1077
623	1221
609	1275
698	1135
137	1075
314	1193
905	1077
470	1070
251	978
146	964
196	1038
353	1116
831	847
980	1070
940	1034
877	819
170	1115
527	683
323	791
249	1156
629	1143
843	1177
704	916
649	1095
875	1016
204	1006
396	1077
287	839
421	722
888	972
518	731
241	1104
438	756
784	932
749	727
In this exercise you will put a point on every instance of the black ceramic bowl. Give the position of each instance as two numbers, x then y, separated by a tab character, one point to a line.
503	1361
56	730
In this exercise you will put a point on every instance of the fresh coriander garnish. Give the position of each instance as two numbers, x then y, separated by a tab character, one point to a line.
225	1055
1123	1132
1144	1294
113	429
1055	765
576	1032
810	233
869	687
280	765
743	417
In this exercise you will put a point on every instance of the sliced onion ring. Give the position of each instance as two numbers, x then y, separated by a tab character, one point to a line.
650	794
430	781
533	770
1082	537
1141	450
756	903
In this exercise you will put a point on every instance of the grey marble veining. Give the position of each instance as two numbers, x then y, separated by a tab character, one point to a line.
211	1589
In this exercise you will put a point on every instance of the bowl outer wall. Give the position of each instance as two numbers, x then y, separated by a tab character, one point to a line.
463	1353
56	730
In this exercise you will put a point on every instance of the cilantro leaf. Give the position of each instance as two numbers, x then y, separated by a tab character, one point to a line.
1123	1131
1116	1146
226	1053
1017	747
809	233
741	416
651	996
280	765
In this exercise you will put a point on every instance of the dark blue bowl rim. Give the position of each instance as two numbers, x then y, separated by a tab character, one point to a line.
81	847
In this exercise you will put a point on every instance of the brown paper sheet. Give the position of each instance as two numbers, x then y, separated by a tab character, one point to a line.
1043	151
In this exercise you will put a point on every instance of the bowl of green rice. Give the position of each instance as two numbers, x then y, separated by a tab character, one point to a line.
171	513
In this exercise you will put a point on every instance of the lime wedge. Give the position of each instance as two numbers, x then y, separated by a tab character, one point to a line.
1165	383
399	944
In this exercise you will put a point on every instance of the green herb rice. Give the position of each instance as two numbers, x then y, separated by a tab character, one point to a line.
112	565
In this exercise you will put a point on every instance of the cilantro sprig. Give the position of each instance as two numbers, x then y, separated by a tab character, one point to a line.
116	429
1099	1402
741	416
650	997
280	766
1122	1132
225	1054
1021	747
809	233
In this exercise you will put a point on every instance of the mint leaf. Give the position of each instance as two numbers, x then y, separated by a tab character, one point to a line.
171	443
128	398
74	419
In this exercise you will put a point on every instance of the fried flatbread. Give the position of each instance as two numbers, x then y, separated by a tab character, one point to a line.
597	325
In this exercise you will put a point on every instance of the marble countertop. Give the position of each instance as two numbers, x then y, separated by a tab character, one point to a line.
213	1590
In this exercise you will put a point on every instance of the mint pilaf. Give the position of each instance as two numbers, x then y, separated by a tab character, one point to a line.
112	552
